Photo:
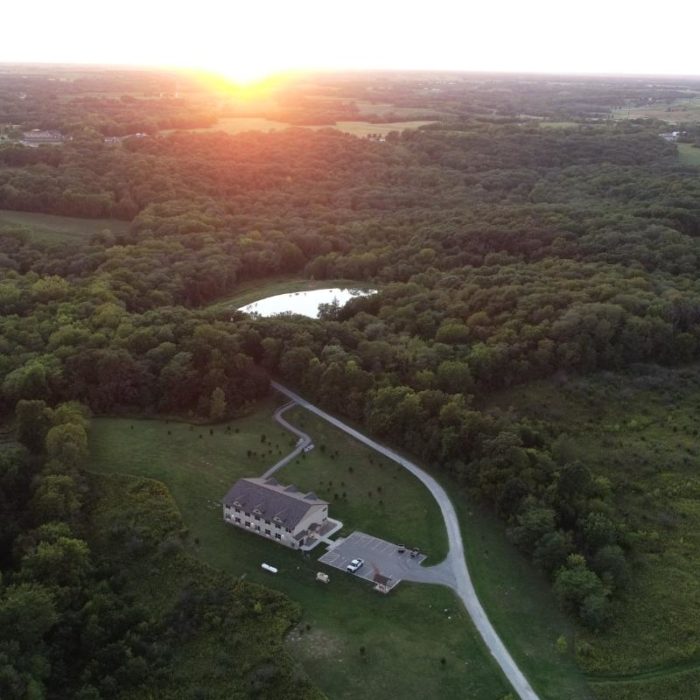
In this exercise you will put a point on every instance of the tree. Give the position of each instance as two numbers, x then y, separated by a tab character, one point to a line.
65	562
56	498
67	443
580	590
552	550
532	524
33	423
610	564
217	408
27	613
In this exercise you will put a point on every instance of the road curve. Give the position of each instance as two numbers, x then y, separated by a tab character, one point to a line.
304	439
461	581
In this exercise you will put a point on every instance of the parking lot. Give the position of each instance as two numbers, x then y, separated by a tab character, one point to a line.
380	557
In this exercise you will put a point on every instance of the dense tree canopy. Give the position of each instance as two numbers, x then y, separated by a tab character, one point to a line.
503	251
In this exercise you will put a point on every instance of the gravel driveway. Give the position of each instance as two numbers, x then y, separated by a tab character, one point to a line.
454	567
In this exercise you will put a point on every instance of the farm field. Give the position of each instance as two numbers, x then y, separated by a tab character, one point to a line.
359	128
237	125
47	228
254	290
673	112
368	108
406	630
688	154
640	432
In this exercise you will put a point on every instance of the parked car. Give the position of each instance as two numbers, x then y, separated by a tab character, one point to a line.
355	565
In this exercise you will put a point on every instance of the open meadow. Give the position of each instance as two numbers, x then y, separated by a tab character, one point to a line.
675	111
46	228
640	431
237	125
688	154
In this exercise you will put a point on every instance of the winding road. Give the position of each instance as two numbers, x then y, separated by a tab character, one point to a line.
451	572
304	439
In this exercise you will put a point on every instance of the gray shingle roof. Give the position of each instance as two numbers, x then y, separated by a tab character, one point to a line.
285	505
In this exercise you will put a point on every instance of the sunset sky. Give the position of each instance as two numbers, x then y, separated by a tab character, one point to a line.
253	39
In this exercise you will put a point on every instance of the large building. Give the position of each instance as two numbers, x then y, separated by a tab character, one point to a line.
270	509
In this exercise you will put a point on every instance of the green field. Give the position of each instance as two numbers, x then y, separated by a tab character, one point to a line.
46	228
237	125
366	491
640	431
135	525
675	111
405	634
513	593
558	125
255	290
688	154
382	109
359	128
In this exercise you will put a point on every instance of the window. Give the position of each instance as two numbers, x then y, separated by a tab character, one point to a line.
247	523
238	520
267	532
257	527
278	536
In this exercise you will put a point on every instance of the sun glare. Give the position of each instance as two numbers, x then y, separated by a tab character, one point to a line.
245	84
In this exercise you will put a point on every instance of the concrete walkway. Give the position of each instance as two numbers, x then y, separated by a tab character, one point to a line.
304	439
453	570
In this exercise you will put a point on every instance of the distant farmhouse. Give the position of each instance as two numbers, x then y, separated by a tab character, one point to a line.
37	137
281	513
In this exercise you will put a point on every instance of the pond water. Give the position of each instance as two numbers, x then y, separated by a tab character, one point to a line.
304	303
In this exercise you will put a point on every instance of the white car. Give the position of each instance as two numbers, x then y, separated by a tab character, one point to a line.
354	565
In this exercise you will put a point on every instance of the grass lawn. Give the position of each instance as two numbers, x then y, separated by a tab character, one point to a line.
688	154
517	598
519	603
255	290
405	634
367	491
640	431
46	228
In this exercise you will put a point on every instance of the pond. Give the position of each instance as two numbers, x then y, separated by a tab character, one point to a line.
304	303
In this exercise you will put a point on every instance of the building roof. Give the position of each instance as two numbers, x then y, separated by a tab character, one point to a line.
269	499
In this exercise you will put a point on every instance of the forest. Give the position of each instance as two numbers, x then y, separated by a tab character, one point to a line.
504	251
